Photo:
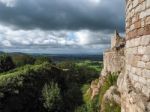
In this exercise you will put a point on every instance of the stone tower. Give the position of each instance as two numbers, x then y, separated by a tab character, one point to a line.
134	83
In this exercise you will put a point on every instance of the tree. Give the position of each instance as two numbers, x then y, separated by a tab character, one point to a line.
6	63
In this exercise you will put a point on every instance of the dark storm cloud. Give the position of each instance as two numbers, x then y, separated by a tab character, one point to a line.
64	14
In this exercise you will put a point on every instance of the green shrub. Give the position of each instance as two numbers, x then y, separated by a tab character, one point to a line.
51	96
42	59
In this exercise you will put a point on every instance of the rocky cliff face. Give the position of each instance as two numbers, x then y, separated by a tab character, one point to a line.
131	58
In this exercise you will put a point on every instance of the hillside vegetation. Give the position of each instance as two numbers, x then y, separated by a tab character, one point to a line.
42	86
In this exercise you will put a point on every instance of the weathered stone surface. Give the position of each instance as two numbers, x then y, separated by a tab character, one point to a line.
146	91
135	77
147	50
145	40
141	50
146	73
147	20
134	50
146	58
142	80
142	14
148	65
111	95
141	64
138	71
147	3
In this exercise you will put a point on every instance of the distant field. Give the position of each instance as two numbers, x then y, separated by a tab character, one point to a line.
97	65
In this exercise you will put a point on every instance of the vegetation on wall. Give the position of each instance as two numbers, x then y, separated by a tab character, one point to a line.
94	105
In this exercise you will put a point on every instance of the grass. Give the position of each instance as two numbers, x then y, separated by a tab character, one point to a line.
112	106
87	96
110	80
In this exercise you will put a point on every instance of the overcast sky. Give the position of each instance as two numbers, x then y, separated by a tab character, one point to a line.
59	26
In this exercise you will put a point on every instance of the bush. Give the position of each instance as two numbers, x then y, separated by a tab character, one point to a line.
51	96
6	63
42	59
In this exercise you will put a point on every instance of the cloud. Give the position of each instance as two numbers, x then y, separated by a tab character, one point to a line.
53	41
59	26
8	3
63	14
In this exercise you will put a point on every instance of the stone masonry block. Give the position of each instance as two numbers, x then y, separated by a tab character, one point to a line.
147	20
137	42
147	30
146	91
147	12
145	40
147	50
132	50
135	3
142	14
135	77
141	64
138	71
142	80
148	65
141	50
146	73
147	3
146	58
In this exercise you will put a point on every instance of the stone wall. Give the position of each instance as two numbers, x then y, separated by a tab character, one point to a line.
134	81
113	62
138	44
114	57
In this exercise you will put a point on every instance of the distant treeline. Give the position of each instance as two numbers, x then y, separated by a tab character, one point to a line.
65	57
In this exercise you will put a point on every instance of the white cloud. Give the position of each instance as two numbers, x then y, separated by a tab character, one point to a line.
8	3
6	43
47	41
95	1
